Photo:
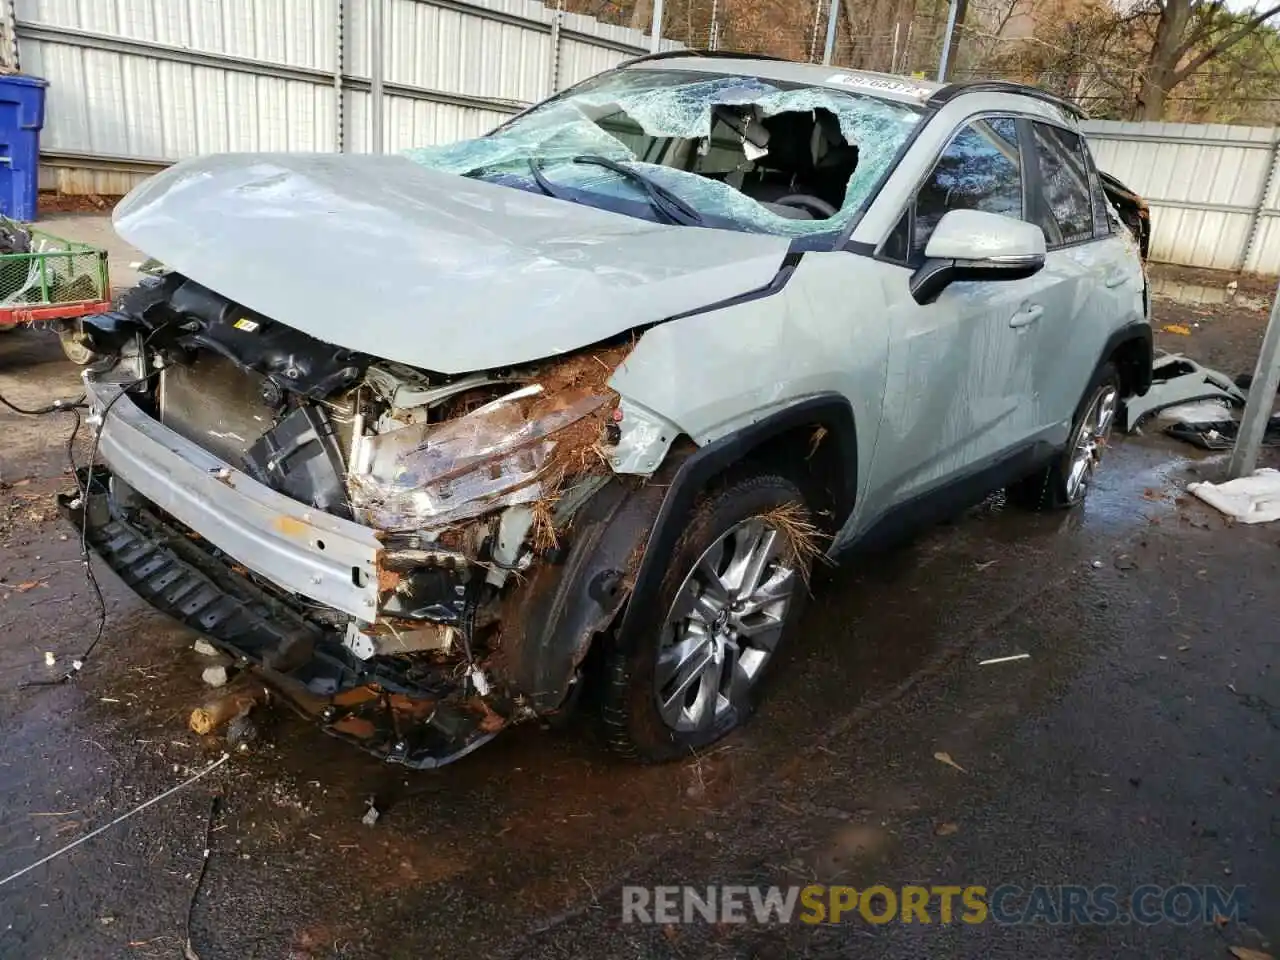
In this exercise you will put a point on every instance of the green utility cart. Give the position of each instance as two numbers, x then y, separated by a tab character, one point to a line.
48	280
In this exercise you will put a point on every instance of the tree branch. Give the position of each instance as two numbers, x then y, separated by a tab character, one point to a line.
1226	43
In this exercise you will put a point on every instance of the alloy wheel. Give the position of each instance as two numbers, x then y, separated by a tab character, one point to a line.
1091	440
724	624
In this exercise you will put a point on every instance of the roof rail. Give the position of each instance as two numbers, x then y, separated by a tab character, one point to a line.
953	90
723	54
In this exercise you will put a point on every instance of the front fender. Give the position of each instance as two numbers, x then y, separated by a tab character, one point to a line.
549	623
831	412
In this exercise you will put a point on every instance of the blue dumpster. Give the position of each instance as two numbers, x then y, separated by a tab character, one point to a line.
21	117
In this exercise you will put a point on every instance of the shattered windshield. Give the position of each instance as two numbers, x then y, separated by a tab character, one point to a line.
682	147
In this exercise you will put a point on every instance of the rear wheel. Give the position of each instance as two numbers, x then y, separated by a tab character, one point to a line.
733	588
1066	481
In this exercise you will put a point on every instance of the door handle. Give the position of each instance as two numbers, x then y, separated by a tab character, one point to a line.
1116	278
1026	317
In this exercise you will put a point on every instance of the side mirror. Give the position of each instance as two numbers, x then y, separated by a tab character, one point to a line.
974	245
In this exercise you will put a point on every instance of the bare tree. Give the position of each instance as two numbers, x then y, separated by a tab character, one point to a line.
1188	35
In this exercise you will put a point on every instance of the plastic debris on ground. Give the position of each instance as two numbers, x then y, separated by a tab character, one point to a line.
1195	404
1253	499
1220	434
214	676
1177	380
1009	659
205	648
1201	411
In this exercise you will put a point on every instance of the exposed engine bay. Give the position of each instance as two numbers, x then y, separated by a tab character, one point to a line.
469	483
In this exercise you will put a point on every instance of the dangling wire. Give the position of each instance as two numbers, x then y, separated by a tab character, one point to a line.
86	490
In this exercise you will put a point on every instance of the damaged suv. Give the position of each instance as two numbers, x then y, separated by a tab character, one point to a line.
438	440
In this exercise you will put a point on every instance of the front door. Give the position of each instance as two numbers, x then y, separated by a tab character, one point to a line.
960	368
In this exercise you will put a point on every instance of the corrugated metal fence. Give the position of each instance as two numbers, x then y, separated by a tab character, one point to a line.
1214	189
137	84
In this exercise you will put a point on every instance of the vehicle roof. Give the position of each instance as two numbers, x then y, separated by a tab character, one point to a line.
885	85
888	86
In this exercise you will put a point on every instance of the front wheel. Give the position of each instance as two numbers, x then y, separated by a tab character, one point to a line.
1066	481
734	586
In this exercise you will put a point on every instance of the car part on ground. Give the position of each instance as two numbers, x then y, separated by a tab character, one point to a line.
1177	379
1220	434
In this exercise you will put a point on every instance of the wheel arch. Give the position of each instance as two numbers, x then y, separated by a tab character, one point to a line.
613	569
1130	349
814	441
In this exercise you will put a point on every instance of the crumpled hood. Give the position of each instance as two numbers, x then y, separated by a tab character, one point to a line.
381	255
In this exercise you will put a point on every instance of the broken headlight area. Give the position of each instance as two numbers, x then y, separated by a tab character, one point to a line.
468	484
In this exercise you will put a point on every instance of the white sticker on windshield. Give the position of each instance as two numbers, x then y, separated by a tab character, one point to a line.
882	84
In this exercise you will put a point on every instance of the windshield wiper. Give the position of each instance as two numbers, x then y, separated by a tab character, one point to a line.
669	206
663	200
535	168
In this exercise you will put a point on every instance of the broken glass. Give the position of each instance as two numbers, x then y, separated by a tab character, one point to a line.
642	105
427	475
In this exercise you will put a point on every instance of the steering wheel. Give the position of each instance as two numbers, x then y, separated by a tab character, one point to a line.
808	202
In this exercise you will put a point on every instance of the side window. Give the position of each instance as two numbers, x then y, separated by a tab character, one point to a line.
1101	206
1068	214
979	170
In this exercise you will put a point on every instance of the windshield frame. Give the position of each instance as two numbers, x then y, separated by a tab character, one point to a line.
836	237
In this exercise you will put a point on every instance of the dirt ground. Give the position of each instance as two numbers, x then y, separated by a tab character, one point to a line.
1136	744
50	202
1225	336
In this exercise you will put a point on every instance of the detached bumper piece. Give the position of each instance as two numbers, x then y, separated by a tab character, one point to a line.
392	708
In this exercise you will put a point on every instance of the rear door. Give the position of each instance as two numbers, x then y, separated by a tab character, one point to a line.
1093	274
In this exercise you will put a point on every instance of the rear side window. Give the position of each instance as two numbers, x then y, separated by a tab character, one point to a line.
1101	206
981	169
1067	214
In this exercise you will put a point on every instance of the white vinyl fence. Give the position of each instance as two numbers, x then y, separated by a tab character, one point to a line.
136	84
1214	189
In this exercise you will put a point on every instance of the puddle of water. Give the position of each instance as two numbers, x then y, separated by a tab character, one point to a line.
1199	294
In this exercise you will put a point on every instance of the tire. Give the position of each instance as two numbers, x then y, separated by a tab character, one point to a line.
726	526
73	345
1057	486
